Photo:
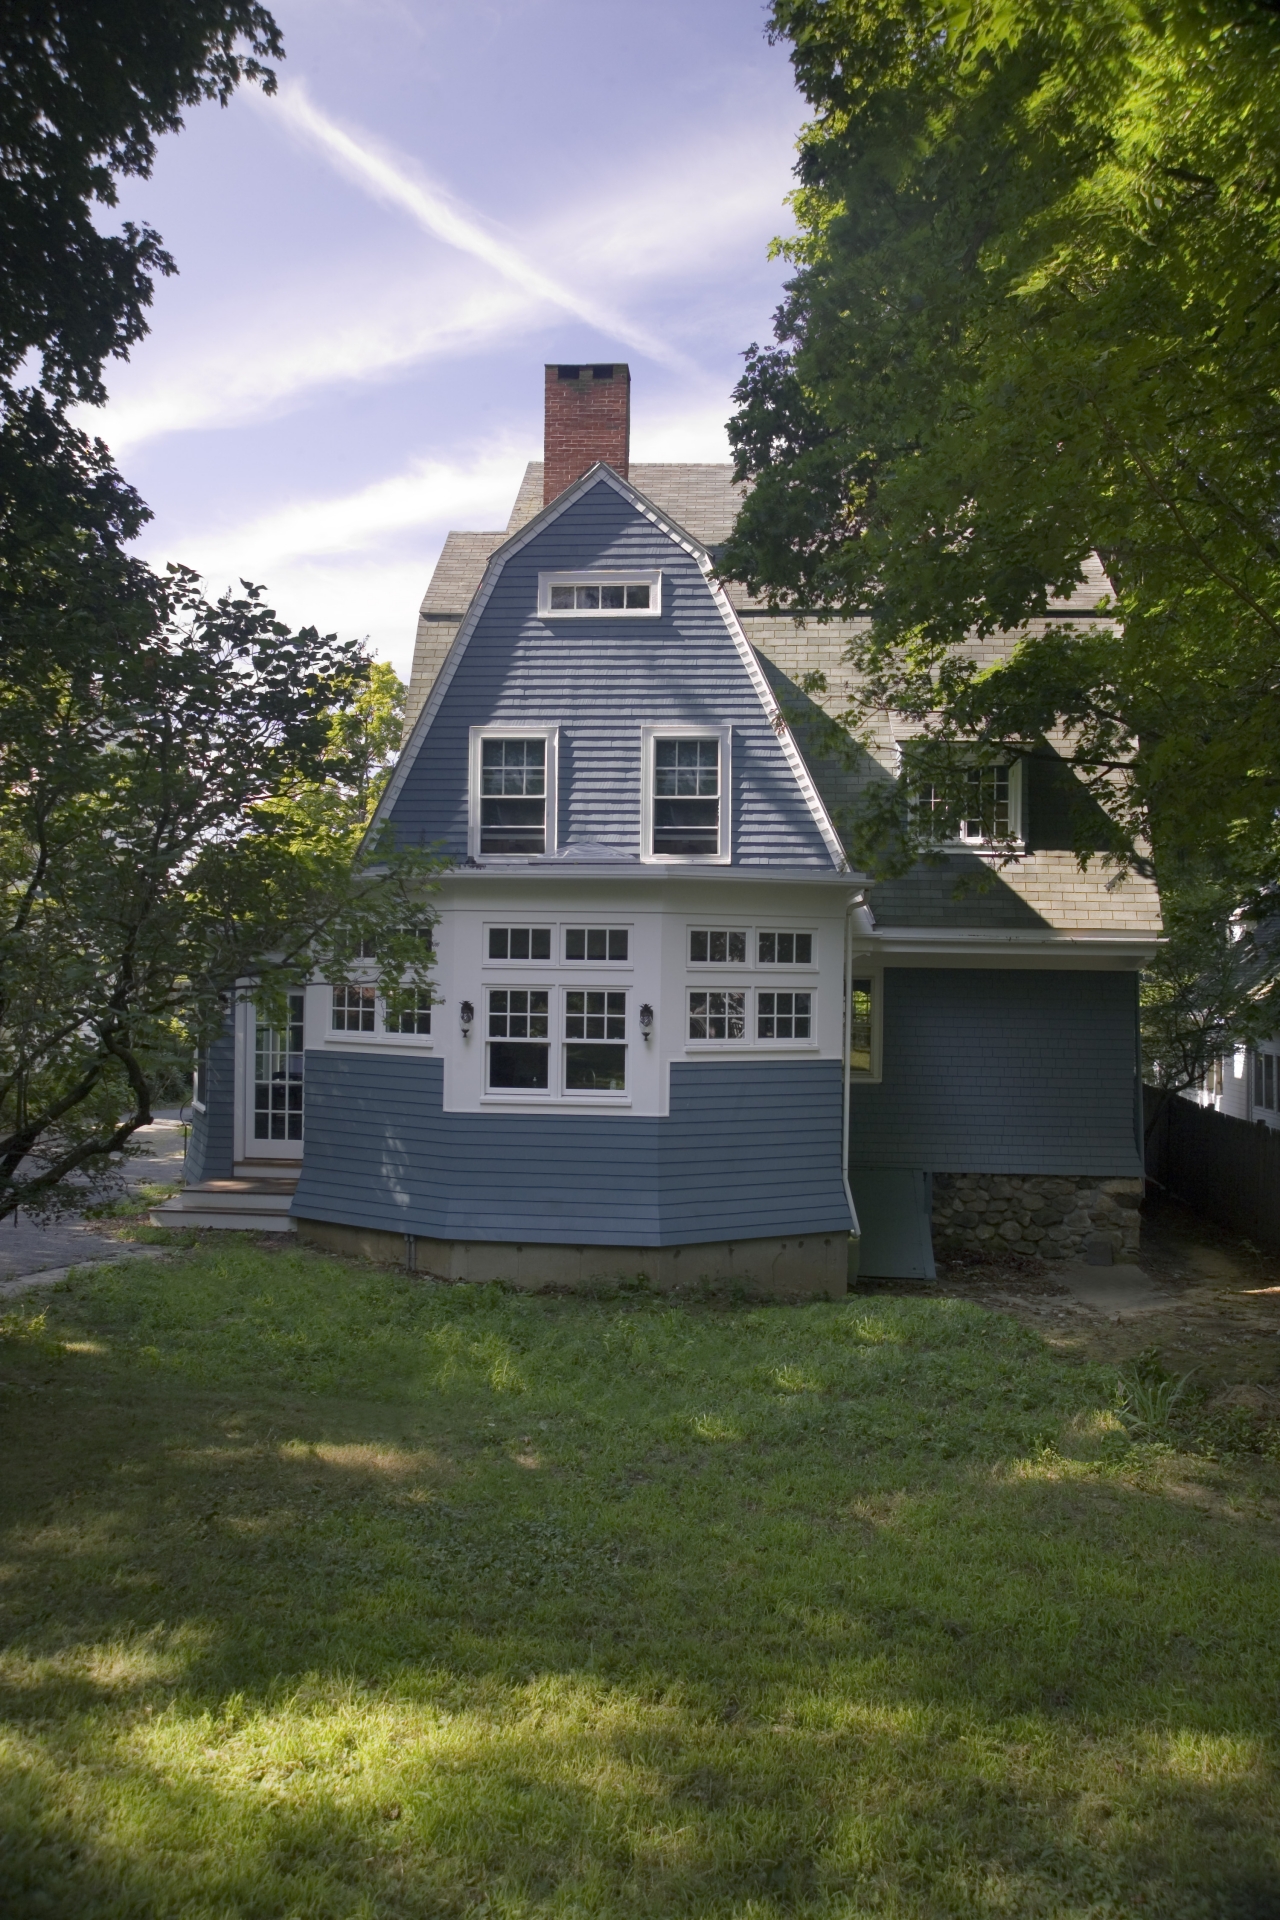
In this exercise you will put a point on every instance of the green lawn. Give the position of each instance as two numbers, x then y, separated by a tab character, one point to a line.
326	1593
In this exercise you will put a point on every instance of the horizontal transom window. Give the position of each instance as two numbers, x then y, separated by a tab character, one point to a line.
519	943
598	594
718	946
785	949
596	943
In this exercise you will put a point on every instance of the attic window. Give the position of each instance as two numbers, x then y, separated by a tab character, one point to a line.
599	595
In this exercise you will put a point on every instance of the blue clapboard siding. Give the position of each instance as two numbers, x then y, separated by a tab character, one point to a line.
1003	1072
211	1148
599	680
750	1150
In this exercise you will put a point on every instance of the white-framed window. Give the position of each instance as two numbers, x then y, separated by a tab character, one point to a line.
528	1029
779	948
355	1009
686	793
993	807
783	1016
518	1039
507	944
717	1013
595	1035
718	946
863	1031
512	792
599	594
1266	1082
358	1009
595	944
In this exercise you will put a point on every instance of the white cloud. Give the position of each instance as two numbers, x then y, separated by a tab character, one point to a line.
393	181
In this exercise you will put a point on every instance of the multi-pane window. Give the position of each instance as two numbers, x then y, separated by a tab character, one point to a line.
519	943
610	596
987	800
782	1016
686	796
513	796
415	1018
861	1016
519	1037
277	1077
354	1009
595	943
1266	1081
717	946
784	949
717	1016
595	1023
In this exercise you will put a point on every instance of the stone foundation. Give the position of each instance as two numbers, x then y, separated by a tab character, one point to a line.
816	1266
1059	1217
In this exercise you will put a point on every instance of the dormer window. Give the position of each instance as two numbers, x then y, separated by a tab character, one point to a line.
686	793
599	595
513	792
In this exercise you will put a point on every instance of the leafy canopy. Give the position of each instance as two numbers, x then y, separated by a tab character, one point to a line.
1036	314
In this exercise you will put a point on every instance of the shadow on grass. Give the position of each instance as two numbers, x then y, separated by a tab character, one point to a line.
771	1612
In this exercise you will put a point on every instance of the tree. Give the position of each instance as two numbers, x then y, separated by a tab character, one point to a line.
179	811
1210	988
1036	313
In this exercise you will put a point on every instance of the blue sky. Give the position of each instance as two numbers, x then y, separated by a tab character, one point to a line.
375	265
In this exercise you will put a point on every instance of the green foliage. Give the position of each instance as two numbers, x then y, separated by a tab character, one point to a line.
1148	1396
183	790
1035	314
850	1609
1210	988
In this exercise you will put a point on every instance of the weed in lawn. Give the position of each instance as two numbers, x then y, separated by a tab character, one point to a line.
330	1593
1148	1395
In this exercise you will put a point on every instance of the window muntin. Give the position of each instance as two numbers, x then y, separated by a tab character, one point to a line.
777	949
412	1019
518	1042
513	796
783	1016
717	946
519	943
355	1010
277	1076
686	796
592	1019
861	1024
717	1015
991	805
596	943
599	594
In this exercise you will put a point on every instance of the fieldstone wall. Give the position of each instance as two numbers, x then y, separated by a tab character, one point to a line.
1056	1216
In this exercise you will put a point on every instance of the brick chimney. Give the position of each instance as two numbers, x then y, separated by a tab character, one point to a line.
588	418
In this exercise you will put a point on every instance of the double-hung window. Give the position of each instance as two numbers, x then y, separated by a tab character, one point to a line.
518	1030
1266	1082
595	1032
686	793
513	792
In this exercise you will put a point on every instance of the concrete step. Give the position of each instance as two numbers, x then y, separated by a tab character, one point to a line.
261	1205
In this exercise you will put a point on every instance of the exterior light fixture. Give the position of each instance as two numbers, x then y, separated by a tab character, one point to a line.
467	1014
646	1021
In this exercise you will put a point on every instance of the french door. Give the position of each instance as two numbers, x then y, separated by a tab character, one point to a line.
273	1129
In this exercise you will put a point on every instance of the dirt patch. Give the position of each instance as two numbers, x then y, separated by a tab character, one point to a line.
1222	1315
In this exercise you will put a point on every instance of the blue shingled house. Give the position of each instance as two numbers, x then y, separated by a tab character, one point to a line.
675	1034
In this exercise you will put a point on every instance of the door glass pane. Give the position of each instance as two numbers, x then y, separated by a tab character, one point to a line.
277	1077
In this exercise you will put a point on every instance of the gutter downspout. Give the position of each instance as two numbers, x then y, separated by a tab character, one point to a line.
855	902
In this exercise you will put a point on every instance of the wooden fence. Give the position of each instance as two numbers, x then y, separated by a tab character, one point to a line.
1228	1170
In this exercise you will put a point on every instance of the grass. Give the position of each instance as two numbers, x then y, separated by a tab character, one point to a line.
327	1593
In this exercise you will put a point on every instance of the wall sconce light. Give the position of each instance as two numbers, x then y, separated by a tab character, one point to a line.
467	1014
646	1021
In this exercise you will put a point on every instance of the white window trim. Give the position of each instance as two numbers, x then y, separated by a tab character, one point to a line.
600	577
862	969
750	1041
651	733
478	734
1017	840
516	965
768	969
382	1035
555	1094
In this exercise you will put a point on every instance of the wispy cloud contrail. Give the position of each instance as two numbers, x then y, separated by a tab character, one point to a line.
441	216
